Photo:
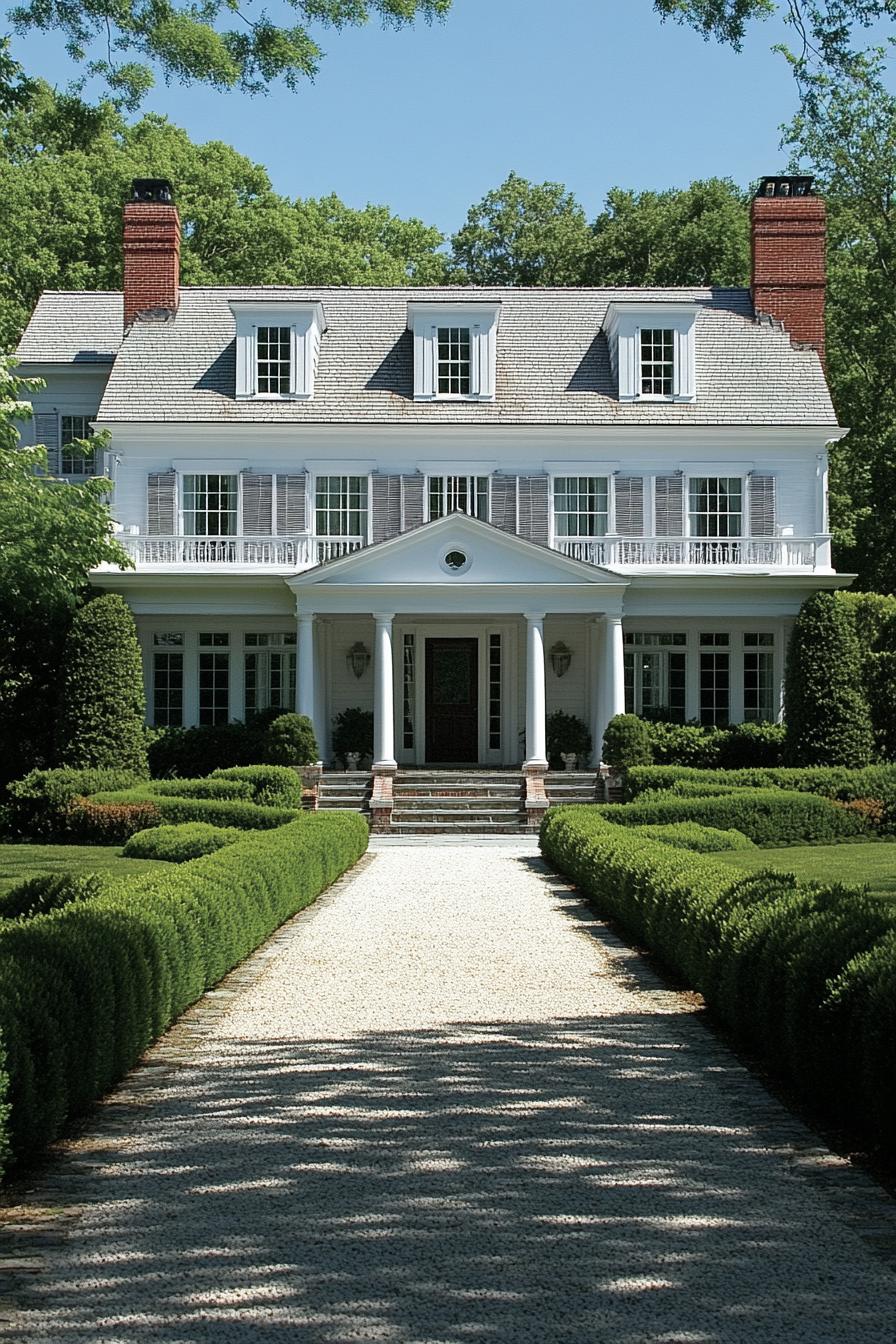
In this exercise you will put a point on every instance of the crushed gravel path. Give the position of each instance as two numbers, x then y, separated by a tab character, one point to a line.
447	1106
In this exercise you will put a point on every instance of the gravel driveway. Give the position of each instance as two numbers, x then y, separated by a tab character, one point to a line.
449	1106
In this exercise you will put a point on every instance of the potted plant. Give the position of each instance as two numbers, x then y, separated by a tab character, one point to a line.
353	736
567	737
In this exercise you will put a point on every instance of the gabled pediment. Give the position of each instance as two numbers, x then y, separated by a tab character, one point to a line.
457	551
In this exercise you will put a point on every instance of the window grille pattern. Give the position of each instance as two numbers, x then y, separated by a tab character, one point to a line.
454	361
657	362
273	360
341	506
168	688
408	682
214	687
75	462
715	679
464	494
656	675
270	672
759	678
715	506
581	506
210	506
494	692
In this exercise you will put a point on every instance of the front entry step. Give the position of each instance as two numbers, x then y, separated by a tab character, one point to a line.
466	802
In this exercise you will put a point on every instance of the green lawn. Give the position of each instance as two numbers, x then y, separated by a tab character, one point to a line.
871	865
18	862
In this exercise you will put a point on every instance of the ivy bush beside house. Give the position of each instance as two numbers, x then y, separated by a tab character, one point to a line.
86	988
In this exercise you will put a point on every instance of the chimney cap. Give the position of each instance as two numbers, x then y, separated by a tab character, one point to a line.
152	190
785	185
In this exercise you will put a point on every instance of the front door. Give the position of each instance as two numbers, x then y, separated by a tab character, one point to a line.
452	700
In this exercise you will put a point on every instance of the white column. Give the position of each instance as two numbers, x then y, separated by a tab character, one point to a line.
597	723
383	695
536	750
612	676
305	665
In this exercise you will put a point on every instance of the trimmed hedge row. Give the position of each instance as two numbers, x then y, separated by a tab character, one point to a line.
766	816
37	804
217	811
272	785
874	781
803	973
691	835
84	990
179	844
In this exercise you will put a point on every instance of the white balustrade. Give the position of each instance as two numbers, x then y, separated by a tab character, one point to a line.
274	552
695	552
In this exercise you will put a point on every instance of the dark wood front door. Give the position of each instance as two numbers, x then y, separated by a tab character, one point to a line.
452	700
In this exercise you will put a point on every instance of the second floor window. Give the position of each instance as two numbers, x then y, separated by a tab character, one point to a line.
75	461
454	362
581	506
464	494
341	506
273	361
715	506
210	506
657	362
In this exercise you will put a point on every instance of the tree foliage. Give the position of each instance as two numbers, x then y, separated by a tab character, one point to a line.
523	233
826	709
102	704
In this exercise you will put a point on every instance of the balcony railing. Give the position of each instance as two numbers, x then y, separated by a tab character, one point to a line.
696	552
274	552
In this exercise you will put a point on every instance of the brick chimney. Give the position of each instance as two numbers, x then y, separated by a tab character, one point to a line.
151	249
788	228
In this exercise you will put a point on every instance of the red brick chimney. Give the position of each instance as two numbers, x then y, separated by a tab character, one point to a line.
151	249
788	227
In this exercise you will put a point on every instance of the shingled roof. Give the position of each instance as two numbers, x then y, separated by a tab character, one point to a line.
553	360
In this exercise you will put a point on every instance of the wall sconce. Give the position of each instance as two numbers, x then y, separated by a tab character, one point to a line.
560	655
358	659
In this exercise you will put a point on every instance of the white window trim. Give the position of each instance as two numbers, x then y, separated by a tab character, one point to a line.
430	475
578	469
622	326
482	319
80	415
744	478
307	323
209	470
311	498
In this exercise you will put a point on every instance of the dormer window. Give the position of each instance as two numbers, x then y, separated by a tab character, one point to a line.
277	345
657	362
455	350
652	350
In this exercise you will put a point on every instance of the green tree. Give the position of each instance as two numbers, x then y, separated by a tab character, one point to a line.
827	714
102	704
122	40
523	233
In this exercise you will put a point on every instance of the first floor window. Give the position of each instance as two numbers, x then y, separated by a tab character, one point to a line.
657	362
210	505
341	506
581	506
715	506
759	678
715	679
168	680
75	461
454	362
655	675
273	361
214	678
270	672
464	494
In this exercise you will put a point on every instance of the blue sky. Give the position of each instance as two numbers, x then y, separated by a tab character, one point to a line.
592	93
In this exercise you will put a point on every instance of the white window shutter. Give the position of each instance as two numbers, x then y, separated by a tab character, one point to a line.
502	505
411	502
669	506
161	503
629	506
46	432
291	505
533	508
385	506
763	522
257	504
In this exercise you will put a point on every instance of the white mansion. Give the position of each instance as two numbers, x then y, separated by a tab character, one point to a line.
461	508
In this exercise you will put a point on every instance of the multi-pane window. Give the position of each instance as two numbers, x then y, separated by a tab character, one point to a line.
214	678
273	369
715	679
75	461
581	506
168	680
341	506
210	506
466	494
716	506
657	362
494	692
270	672
759	678
408	680
655	675
453	377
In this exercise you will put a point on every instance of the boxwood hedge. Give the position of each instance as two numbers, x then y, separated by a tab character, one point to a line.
873	781
217	811
179	844
767	816
691	835
806	974
85	989
37	803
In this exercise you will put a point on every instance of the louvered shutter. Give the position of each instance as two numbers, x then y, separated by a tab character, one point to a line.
763	522
411	502
291	505
46	431
502	509
386	502
161	503
533	507
257	504
669	506
630	506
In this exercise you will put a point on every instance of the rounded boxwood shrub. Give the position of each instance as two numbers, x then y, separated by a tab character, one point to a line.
51	891
828	720
627	742
702	839
290	740
179	844
102	704
272	785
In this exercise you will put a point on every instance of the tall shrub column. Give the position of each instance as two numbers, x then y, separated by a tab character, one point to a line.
826	710
102	704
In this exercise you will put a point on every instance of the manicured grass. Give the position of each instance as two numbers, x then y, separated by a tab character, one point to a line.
872	865
19	862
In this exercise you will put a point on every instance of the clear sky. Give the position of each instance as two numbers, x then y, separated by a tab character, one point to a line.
592	93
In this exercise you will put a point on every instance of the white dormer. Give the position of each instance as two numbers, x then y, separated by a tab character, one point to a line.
277	344
652	349
455	350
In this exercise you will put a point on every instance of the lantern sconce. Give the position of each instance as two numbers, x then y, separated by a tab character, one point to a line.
358	659
560	655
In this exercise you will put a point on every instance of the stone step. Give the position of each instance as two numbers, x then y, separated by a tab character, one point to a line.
461	800
404	827
423	792
466	817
